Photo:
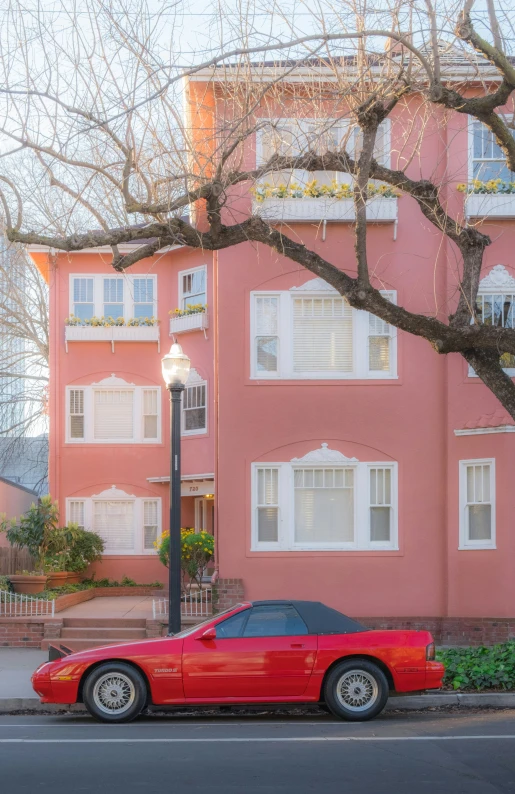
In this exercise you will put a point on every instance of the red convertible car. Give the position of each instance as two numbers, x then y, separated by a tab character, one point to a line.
266	652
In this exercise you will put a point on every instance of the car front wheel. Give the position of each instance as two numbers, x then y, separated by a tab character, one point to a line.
115	692
356	690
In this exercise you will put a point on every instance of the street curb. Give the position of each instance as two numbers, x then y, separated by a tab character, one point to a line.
500	700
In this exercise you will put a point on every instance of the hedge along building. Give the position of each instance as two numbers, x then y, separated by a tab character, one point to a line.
333	457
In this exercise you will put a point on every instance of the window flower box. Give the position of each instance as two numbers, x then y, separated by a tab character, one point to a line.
382	210
490	205
113	333
199	321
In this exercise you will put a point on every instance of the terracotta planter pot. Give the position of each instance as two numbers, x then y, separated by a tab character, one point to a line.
27	585
73	578
57	579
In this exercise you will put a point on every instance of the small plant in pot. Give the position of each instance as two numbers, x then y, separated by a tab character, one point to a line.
33	532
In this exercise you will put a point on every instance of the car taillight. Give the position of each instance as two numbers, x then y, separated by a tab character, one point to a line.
430	652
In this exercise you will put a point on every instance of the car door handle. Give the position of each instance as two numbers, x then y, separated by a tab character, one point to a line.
297	645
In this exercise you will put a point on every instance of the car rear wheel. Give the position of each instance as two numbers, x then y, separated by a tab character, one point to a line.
115	692
356	690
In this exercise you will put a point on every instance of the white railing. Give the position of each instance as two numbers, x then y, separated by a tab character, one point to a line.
16	605
194	604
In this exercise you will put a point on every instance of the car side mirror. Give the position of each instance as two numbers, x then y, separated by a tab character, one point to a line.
209	634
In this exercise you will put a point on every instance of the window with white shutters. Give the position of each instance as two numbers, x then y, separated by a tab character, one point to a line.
76	513
113	414
477	504
194	409
380	504
83	305
125	415
301	507
267	505
322	335
76	413
193	287
324	506
150	413
114	522
150	523
318	335
266	344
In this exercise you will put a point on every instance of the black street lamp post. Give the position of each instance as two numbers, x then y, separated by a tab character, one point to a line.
175	367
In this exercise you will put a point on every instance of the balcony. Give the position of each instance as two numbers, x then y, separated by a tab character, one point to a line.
189	322
112	334
379	210
490	205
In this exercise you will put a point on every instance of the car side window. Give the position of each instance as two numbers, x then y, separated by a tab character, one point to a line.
274	621
231	627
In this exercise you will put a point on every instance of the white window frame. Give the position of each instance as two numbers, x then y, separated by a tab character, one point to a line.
360	341
501	290
200	431
345	123
98	292
138	417
465	544
286	520
138	512
187	272
471	158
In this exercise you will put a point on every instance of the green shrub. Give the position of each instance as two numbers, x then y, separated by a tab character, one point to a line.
5	584
85	547
479	668
91	584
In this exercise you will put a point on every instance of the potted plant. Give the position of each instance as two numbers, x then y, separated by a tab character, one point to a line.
33	532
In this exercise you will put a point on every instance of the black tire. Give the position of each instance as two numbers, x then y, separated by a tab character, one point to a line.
356	690
126	698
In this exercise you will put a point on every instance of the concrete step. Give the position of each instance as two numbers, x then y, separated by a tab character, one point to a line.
83	644
84	633
108	623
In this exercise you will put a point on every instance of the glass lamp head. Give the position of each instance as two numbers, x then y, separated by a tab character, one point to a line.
175	367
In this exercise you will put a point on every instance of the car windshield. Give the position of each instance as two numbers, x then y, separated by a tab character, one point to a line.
191	629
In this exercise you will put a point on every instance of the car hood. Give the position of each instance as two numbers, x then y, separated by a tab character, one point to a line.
121	650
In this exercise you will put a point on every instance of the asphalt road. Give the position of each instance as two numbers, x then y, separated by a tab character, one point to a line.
398	753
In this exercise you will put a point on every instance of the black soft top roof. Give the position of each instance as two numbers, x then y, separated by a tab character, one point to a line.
319	618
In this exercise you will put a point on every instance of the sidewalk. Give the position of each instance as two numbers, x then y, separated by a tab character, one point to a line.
16	668
111	607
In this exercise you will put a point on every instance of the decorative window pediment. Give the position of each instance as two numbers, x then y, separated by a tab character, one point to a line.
113	493
324	455
499	279
315	285
113	380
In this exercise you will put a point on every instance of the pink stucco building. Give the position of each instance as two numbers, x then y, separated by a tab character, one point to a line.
332	457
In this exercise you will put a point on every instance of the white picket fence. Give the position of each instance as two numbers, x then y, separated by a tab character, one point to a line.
16	605
194	604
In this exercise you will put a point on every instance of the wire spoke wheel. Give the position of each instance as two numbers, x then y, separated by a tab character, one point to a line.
357	690
114	693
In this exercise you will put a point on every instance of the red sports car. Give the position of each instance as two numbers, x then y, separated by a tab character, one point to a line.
264	652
